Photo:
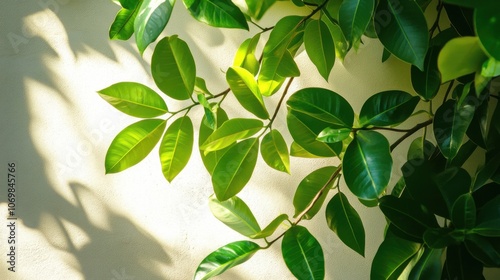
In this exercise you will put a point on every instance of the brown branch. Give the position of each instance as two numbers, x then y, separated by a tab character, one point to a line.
410	132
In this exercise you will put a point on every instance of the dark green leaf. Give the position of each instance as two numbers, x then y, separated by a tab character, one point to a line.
463	212
151	19
387	108
220	13
133	144
343	219
309	187
176	147
122	27
303	254
257	8
274	151
271	228
407	215
488	170
211	159
173	68
464	153
354	16
426	83
340	42
234	169
481	248
225	258
392	257
450	125
129	4
333	135
488	218
486	22
459	57
453	183
428	265
247	91
319	46
230	132
245	55
235	214
367	164
438	238
461	18
420	149
403	30
134	99
460	265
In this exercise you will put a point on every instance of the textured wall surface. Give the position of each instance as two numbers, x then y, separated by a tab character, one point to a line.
74	222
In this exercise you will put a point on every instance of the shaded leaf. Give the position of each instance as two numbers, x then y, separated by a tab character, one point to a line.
387	108
235	214
453	183
463	212
151	19
220	13
461	18
176	147
354	17
488	218
486	22
461	265
482	249
439	238
427	83
428	266
319	46
274	151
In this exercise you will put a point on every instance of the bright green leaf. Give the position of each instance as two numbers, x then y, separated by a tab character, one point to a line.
491	68
122	27
220	13
387	108
211	159
235	214
234	169
274	151
133	144
333	135
271	228
230	132
224	258
367	164
303	254
129	4
134	99
257	8
173	68
245	55
210	115
403	30
176	147
459	57
487	23
343	219
200	87
246	91
339	40
319	46
297	151
309	187
151	19
354	17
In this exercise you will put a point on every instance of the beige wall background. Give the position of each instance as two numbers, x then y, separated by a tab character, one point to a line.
74	222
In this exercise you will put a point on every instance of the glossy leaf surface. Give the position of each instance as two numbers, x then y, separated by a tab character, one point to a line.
151	19
274	151
246	91
220	13
176	147
235	213
354	17
319	46
122	27
387	108
271	228
229	132
211	159
426	83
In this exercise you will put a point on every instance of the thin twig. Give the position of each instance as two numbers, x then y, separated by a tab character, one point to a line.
410	132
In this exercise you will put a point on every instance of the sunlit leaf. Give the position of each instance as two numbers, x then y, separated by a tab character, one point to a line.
257	8
176	147
459	57
173	68
274	151
235	214
319	46
297	151
343	219
339	40
210	115
245	55
234	169
151	19
224	258
211	159
134	99
246	91
271	228
309	187
303	254
333	135
354	17
220	13
367	165
133	144
122	27
229	132
387	108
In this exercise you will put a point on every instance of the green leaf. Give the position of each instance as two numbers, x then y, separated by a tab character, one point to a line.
461	19
173	68
122	27
129	4
339	40
438	238
453	183
333	135
488	170
343	219
309	187
151	19
403	31
134	99
461	265
176	147
271	228
133	144
420	149
367	165
387	108
428	265
210	111
211	159
323	105
245	55
486	22
407	215
464	153
488	218
224	258
274	151
319	46
246	91
220	13
482	249
200	87
392	256
450	125
427	83
297	151
463	212
235	214
459	57
354	17
234	169
277	60
257	8
230	132
303	254
491	68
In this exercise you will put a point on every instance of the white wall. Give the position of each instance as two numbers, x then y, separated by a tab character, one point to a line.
74	222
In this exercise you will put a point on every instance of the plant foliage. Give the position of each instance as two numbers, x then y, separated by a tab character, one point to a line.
443	221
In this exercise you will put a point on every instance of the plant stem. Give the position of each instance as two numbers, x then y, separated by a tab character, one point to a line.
448	90
410	132
436	22
282	98
317	9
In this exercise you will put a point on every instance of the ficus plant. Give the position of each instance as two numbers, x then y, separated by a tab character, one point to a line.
443	220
